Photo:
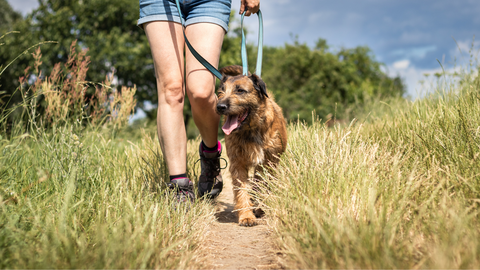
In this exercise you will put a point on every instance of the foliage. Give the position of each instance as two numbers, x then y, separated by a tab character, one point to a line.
305	80
8	17
115	45
106	28
73	196
302	79
60	98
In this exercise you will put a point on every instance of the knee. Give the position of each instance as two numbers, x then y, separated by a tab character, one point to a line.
173	93
202	98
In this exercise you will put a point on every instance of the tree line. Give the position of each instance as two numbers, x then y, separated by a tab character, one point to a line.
303	79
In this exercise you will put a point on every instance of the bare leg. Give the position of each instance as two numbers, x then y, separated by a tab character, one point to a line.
207	39
167	45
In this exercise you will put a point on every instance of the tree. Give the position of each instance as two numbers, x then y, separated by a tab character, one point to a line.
107	28
8	17
305	79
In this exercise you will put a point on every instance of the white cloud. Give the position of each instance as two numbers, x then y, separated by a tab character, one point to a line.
420	82
402	64
465	51
416	52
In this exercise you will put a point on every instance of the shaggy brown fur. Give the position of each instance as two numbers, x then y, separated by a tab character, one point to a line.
255	130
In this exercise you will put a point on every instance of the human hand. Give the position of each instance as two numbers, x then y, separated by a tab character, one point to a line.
251	6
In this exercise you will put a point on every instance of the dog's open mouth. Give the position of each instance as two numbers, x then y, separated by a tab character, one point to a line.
233	122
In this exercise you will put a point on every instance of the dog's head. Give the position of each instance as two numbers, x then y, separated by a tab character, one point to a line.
239	97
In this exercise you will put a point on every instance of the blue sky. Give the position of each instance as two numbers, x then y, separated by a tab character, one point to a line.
408	36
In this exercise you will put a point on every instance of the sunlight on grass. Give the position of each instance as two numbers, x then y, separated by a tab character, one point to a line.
398	188
79	190
81	201
398	191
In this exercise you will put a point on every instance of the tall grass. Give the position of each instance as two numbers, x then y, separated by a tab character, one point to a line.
81	201
401	191
74	194
79	190
63	96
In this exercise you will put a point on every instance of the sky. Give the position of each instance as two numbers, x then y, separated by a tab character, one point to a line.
410	37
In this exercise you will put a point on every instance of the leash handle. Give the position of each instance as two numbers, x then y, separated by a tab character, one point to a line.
202	60
258	69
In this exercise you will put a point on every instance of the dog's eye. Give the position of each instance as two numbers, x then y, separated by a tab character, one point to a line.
240	91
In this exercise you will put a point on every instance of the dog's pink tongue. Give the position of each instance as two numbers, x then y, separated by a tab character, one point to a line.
231	123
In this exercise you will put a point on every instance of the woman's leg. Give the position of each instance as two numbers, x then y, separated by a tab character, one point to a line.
167	45
207	39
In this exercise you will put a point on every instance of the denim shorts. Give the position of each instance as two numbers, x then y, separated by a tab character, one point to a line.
193	11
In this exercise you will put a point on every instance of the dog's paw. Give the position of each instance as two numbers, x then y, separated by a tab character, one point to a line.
247	219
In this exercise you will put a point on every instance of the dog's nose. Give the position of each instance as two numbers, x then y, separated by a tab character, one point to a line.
221	108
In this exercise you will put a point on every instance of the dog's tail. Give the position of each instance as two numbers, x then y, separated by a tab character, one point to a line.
232	70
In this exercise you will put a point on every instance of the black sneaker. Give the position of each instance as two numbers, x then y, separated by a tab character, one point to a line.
184	189
210	183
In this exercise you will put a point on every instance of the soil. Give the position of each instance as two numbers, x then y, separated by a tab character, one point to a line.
230	246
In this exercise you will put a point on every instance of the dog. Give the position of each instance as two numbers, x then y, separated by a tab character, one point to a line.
256	133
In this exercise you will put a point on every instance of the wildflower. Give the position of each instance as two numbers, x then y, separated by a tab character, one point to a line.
75	137
76	143
81	145
74	155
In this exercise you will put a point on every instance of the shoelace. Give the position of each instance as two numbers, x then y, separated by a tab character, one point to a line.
210	163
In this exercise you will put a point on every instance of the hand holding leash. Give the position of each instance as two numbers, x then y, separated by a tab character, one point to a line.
250	6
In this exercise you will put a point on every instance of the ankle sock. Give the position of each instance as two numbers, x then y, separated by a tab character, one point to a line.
183	175
205	148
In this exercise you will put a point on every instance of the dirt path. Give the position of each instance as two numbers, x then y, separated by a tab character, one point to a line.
230	246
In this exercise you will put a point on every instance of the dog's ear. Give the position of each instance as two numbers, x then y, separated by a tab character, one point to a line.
232	70
259	85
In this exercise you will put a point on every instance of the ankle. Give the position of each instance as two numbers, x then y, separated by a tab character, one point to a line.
215	149
177	176
209	149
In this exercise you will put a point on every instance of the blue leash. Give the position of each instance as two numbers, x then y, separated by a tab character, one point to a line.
210	67
258	69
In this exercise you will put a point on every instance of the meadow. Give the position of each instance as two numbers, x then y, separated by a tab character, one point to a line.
399	190
399	187
79	188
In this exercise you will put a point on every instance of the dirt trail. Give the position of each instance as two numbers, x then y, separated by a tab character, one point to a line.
230	246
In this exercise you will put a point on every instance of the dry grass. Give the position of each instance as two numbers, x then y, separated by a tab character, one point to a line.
400	191
78	191
86	201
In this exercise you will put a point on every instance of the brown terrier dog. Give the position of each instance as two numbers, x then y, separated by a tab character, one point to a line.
256	132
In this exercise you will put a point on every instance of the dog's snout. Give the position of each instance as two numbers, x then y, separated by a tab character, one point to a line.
222	107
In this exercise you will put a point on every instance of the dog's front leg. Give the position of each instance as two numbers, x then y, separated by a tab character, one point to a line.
241	188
